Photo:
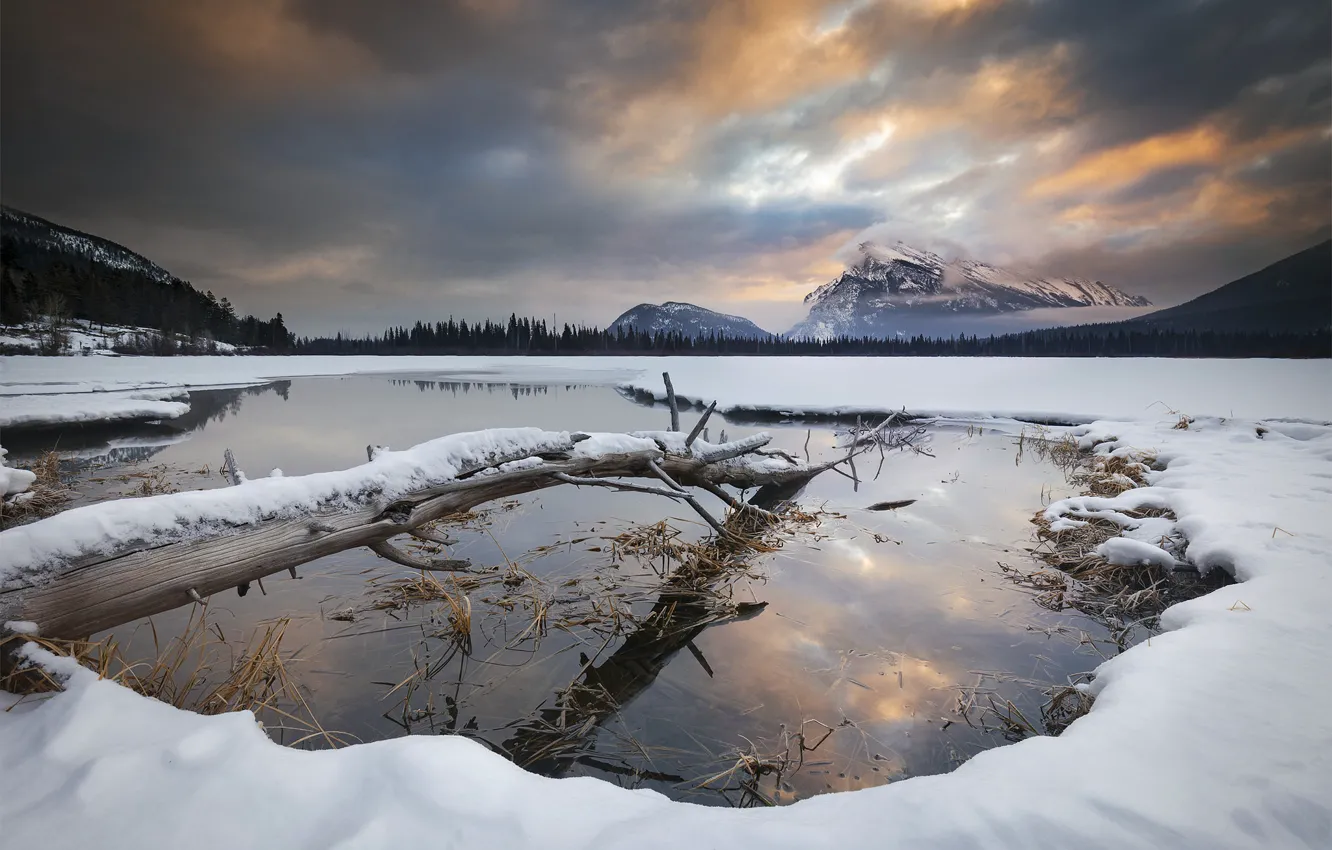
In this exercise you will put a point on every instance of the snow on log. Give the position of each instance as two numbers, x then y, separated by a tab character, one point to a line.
104	564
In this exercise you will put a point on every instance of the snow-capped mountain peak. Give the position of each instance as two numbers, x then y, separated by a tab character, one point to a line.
891	289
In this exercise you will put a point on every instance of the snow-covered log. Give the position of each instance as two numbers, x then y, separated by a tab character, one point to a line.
101	565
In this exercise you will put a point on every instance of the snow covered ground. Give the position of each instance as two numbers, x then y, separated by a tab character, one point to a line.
1212	735
1070	390
85	337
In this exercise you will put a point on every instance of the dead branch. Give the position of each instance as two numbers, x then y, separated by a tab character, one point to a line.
698	429
725	451
388	551
429	535
684	494
671	401
734	503
617	485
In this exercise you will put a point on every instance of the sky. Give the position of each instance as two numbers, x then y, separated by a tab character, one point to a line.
357	164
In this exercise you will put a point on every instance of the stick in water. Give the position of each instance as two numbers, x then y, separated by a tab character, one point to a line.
698	429
670	400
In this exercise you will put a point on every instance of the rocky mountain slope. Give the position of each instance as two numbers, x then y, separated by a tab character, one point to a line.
688	319
906	290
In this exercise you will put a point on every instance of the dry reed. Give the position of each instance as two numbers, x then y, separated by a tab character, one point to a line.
197	670
46	496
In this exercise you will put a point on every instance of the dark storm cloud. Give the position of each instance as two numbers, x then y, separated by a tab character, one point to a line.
352	163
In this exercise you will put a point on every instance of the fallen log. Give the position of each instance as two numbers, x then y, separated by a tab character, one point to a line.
113	581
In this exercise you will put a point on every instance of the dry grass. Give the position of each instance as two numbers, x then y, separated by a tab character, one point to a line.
1062	452
1066	704
1080	578
150	482
981	706
751	766
46	496
1110	475
1092	584
198	670
425	589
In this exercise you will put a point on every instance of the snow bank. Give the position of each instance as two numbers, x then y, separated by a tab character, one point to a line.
1129	552
30	411
1212	735
26	551
21	375
1064	390
1046	389
13	480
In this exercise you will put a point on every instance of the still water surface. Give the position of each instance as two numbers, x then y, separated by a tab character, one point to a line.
873	622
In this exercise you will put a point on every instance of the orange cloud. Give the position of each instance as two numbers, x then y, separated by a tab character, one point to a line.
1204	145
1002	100
1123	165
327	264
1215	203
1222	198
756	54
744	56
257	43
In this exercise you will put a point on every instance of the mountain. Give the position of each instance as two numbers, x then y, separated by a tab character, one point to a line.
688	319
49	270
35	238
1292	295
906	290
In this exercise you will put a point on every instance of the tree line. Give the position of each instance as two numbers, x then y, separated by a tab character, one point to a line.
532	336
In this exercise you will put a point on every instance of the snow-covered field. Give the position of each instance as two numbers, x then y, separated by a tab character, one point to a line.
1070	390
85	337
1214	734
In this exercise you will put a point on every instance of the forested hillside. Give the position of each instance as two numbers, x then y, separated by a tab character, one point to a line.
1293	295
50	270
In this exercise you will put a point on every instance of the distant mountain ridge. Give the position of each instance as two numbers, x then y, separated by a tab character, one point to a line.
904	289
1291	295
687	319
